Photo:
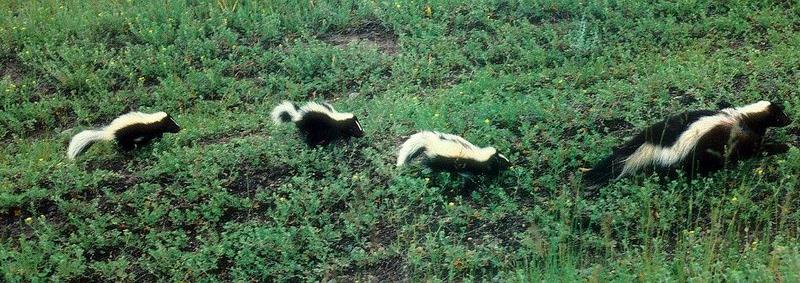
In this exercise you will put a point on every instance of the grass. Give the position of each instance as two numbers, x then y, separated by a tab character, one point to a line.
552	84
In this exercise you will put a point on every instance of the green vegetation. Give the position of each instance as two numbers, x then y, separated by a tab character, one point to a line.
554	84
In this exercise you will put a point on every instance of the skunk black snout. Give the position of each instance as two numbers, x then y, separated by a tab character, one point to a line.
355	129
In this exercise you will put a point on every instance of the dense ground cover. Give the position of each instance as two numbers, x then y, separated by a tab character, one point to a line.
553	84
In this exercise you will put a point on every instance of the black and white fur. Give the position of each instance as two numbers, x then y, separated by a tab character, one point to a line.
451	153
318	123
696	141
129	130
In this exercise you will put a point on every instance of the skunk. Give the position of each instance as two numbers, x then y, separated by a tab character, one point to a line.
451	153
699	141
318	123
129	130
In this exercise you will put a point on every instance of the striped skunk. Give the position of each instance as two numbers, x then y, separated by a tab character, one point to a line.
699	141
451	153
318	123
129	130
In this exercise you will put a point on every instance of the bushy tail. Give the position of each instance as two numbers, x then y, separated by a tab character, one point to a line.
285	112
604	172
413	147
83	140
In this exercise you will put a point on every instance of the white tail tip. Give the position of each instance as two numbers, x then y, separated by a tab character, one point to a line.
84	139
285	112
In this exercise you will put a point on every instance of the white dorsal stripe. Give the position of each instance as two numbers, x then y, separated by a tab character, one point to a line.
650	154
758	107
437	144
316	107
134	118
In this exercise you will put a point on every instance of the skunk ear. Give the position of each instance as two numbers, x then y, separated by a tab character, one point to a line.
722	104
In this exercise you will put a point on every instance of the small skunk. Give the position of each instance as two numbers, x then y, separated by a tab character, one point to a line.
318	123
451	153
129	130
699	141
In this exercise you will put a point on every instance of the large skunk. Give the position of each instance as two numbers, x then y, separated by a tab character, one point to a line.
696	142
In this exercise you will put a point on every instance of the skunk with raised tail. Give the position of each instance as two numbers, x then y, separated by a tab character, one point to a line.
699	141
318	123
451	153
129	130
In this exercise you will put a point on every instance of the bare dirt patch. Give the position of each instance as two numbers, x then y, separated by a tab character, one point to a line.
502	230
252	178
243	70
684	97
795	133
13	220
391	269
12	68
370	34
614	125
740	81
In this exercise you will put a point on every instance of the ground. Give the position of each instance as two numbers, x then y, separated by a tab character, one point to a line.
554	85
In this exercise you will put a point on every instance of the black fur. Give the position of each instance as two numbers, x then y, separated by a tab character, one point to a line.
721	147
135	135
320	129
663	133
286	117
416	153
666	132
774	117
492	166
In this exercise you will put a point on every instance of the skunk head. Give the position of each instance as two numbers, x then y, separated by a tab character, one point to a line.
499	162
764	114
351	127
496	161
169	125
777	116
